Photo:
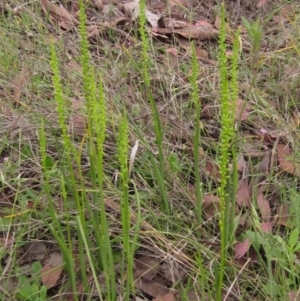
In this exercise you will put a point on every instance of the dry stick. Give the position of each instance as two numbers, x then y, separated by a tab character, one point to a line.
236	278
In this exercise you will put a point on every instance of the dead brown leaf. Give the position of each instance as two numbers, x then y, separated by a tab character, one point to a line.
33	251
94	31
285	160
212	170
66	25
191	31
211	205
132	10
53	267
155	32
121	21
241	248
203	22
241	164
202	32
283	213
263	206
197	295
201	53
59	10
263	166
186	45
266	226
172	274
98	4
261	3
151	288
174	23
293	296
74	7
146	267
167	297
243	193
244	219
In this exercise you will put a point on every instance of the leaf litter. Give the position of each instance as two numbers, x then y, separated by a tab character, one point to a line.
263	206
52	270
286	161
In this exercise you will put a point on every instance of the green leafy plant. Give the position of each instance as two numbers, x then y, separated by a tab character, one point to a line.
278	252
30	289
174	162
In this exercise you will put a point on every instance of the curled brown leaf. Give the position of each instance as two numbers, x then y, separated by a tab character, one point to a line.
286	161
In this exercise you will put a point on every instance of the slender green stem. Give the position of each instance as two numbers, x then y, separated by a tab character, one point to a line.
94	273
155	113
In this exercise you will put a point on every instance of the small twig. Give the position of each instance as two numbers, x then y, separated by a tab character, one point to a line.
236	278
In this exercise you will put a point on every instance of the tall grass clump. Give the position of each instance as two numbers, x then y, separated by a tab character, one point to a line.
158	169
228	183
